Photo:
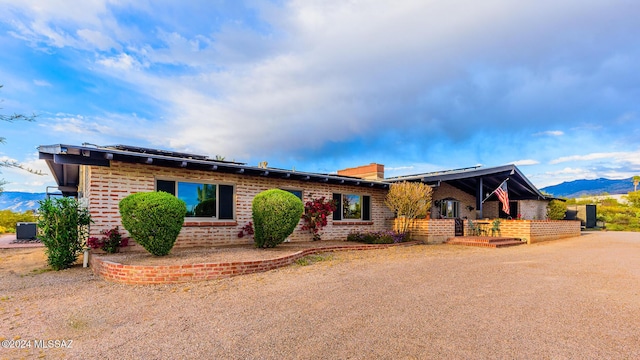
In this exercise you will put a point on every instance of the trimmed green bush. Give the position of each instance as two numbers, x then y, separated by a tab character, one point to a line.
63	227
556	210
276	214
153	219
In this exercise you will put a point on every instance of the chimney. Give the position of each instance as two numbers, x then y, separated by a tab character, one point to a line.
372	171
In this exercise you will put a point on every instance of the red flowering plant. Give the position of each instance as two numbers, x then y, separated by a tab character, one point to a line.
111	242
246	230
316	213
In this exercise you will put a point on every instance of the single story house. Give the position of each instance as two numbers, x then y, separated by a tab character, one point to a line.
101	176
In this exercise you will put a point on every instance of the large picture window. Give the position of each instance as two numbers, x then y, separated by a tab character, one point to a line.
352	207
202	199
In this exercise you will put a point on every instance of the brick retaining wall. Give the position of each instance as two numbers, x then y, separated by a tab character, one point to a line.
531	231
534	231
167	274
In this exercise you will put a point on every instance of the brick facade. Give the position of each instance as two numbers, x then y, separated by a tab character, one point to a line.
104	187
431	231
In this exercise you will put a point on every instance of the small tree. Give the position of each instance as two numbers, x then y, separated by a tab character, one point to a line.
556	210
636	181
409	200
63	228
153	219
276	214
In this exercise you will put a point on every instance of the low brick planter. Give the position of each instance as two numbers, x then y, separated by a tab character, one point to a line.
168	274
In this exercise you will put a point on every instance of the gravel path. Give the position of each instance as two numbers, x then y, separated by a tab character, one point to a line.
576	298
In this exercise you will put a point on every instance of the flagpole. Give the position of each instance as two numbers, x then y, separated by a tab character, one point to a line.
494	191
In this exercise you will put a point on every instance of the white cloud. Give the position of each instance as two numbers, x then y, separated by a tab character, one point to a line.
324	73
122	62
632	158
550	133
98	39
525	162
42	83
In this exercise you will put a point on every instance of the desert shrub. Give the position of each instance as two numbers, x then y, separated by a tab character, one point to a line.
153	219
556	210
9	219
633	198
276	214
378	237
63	228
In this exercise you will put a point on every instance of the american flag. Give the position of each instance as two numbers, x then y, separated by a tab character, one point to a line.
503	196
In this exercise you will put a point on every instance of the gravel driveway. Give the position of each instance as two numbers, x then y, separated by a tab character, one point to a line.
576	298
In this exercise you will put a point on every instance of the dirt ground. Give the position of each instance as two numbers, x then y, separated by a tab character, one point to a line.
576	298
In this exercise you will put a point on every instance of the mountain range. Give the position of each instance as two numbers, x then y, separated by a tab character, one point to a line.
578	188
23	201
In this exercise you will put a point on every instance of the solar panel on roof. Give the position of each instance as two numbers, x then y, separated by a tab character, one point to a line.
143	150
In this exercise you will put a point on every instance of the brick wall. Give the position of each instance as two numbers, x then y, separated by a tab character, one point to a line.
167	274
446	191
554	229
532	209
534	231
106	186
430	230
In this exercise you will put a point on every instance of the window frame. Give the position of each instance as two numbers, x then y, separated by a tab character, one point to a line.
443	208
228	213
365	207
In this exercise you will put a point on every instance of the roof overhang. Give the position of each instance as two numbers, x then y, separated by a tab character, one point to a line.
64	162
469	179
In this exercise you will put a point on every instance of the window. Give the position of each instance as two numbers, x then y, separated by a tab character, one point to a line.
449	208
297	193
202	199
352	207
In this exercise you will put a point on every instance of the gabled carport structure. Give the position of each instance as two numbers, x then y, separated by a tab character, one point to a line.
481	182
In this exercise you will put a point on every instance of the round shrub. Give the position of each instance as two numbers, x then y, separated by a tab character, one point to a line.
153	219
276	214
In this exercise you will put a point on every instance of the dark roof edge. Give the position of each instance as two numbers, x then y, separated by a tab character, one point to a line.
101	156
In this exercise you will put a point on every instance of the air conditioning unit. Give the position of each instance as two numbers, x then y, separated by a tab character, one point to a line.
26	230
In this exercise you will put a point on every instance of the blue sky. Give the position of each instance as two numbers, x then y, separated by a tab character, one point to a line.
552	86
